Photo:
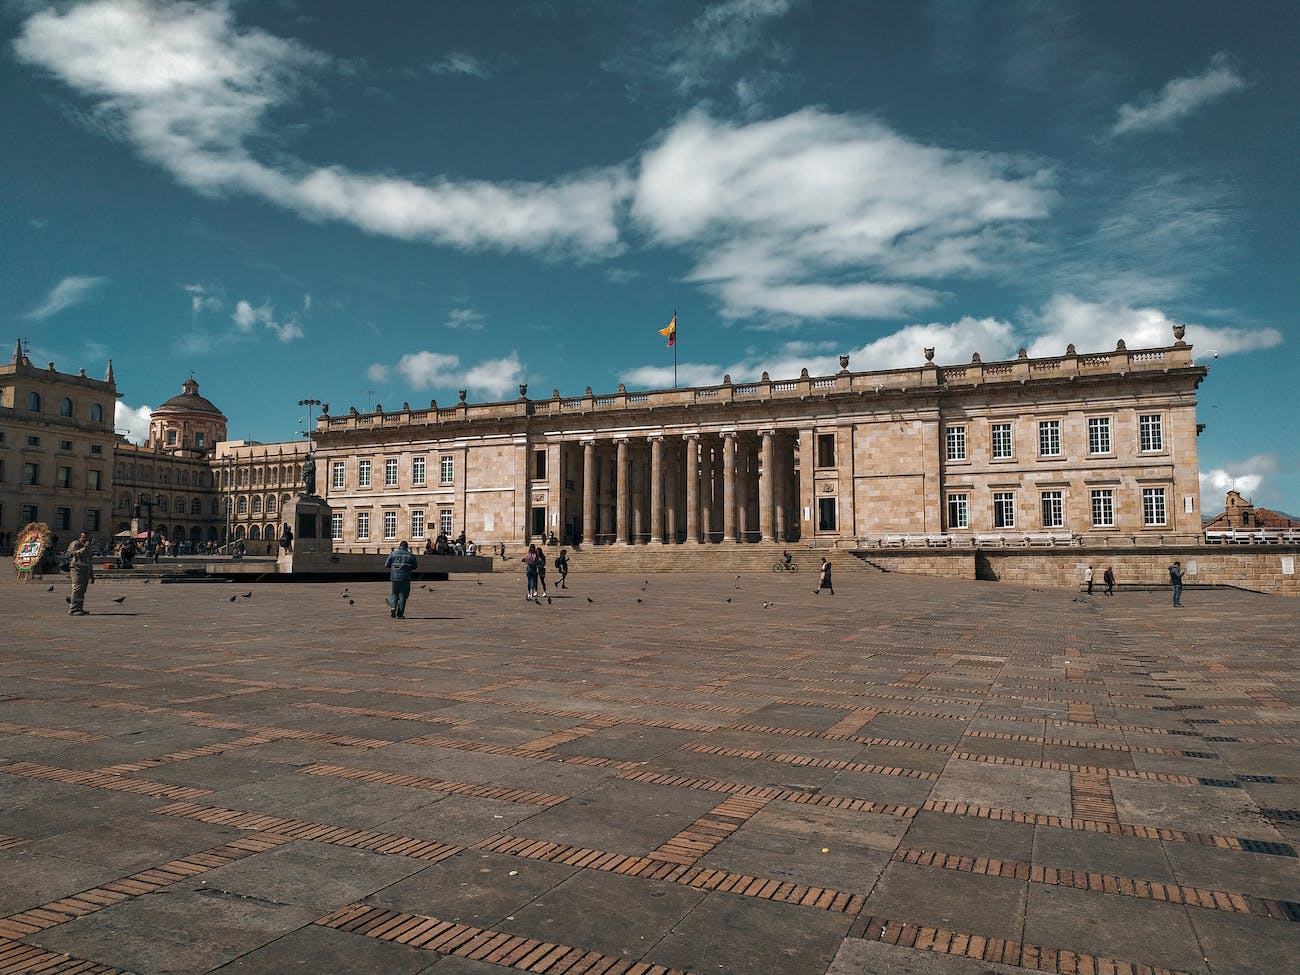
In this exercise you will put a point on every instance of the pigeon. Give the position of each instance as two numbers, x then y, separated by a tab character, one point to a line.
728	599
589	599
50	589
639	599
548	600
68	599
146	582
233	598
247	595
120	599
352	602
478	582
766	604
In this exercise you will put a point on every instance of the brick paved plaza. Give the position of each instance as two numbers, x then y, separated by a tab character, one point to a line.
913	775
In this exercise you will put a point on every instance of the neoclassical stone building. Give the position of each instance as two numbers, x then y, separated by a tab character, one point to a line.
1051	450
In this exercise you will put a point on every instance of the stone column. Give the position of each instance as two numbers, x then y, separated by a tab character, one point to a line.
692	489
624	511
729	487
672	491
767	490
589	493
780	487
656	490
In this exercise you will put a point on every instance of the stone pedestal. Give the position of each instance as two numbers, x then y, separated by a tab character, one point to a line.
309	517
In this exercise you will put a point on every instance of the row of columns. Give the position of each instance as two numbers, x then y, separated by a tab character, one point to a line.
698	488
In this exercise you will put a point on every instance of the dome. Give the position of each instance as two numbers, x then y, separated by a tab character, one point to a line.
189	401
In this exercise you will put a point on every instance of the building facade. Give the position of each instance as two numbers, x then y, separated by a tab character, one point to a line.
1075	447
56	448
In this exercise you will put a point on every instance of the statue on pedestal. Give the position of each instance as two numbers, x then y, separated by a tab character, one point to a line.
309	476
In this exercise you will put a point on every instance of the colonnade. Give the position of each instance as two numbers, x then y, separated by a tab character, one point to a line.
693	488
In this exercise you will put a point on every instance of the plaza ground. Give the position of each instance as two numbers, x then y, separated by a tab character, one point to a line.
697	773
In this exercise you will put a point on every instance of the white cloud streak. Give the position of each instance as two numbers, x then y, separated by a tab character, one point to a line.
843	200
1245	477
68	292
204	92
1180	98
246	318
489	379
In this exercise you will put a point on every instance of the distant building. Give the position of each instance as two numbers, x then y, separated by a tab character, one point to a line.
1094	447
1241	515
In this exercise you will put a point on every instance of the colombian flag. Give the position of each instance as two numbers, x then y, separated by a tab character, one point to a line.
669	332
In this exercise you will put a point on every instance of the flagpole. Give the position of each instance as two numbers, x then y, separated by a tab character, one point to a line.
674	351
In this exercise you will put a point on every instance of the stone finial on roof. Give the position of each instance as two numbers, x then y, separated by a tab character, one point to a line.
108	373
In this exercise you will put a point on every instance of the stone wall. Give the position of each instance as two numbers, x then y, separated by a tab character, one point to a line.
1260	568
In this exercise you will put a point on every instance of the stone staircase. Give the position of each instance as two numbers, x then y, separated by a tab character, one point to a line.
743	559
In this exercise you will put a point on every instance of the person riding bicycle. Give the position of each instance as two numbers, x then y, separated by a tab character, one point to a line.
786	557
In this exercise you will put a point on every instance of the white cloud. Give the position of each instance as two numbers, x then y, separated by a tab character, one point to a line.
1246	477
839	199
246	318
466	319
1100	325
461	62
723	34
490	379
204	100
133	422
68	292
1180	98
202	298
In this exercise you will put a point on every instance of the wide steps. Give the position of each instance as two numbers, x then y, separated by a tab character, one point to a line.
742	559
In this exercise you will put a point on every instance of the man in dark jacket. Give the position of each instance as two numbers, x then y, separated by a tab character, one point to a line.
401	563
81	564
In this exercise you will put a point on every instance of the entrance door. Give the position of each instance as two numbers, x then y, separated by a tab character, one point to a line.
538	523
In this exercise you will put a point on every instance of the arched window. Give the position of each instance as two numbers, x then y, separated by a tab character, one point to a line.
284	499
65	407
257	475
243	505
254	533
257	504
196	508
239	531
270	504
178	506
160	506
96	413
34	402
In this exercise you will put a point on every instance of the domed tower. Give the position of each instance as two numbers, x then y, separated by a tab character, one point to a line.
187	424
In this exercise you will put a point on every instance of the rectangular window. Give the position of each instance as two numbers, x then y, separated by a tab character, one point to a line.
417	470
96	448
444	520
390	472
417	524
94	480
338	471
33	441
1049	438
826	514
958	511
171	437
447	469
826	450
363	526
1103	508
539	465
1053	509
1001	439
1099	435
62	519
390	525
363	473
31	473
336	526
65	477
1150	432
30	513
198	440
65	444
1004	509
957	443
1153	507
92	519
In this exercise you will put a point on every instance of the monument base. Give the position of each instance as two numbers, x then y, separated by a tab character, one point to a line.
309	517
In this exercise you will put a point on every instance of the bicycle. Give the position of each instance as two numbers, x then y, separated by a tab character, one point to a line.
784	566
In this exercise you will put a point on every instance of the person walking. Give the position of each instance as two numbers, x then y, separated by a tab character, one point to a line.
401	563
530	571
286	538
81	565
541	570
1087	577
1176	581
562	567
824	578
1108	577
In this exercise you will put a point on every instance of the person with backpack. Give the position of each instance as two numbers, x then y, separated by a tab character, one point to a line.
1176	581
541	571
562	566
530	572
400	564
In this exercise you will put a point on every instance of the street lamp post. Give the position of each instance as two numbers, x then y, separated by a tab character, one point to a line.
142	502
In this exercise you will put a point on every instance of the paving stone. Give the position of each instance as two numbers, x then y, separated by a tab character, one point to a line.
1235	945
991	906
1043	791
312	950
969	835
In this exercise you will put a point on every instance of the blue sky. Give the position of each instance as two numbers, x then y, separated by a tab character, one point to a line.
297	200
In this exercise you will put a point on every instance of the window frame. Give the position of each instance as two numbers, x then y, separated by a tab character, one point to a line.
363	526
418	472
417	523
446	469
390	472
957	503
1151	433
1053	516
1004	509
1049	436
364	473
1153	498
389	522
338	475
336	526
1101	441
1102	502
955	443
1003	451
